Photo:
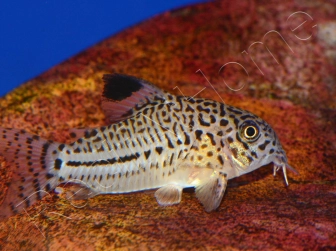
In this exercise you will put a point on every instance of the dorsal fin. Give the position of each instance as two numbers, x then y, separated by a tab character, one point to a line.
122	93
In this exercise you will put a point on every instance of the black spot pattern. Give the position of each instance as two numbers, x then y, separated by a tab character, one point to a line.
58	164
263	146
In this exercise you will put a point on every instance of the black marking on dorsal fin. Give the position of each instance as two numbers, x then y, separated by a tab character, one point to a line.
118	86
124	95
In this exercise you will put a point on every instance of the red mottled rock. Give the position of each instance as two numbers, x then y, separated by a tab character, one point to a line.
295	93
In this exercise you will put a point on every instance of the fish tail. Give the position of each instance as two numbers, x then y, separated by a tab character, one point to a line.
33	169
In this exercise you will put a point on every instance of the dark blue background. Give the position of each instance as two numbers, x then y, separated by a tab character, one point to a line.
36	35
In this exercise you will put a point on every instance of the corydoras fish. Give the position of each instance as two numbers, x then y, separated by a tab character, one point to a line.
155	140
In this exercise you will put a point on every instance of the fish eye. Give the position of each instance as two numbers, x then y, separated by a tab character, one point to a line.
250	131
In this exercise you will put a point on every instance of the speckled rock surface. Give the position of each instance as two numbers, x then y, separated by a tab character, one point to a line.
294	91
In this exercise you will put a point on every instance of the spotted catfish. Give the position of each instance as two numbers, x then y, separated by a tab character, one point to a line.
155	140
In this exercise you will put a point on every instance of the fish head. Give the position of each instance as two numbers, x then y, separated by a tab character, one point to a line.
254	144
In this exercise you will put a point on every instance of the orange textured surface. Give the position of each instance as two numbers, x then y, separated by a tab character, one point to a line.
258	212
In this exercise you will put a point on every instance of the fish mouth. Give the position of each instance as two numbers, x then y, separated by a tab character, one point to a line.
284	167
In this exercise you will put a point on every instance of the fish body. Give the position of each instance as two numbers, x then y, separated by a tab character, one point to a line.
155	140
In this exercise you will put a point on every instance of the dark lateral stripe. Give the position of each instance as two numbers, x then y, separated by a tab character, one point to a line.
110	161
129	158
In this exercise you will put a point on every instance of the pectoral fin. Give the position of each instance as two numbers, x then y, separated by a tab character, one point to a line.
169	195
210	193
79	192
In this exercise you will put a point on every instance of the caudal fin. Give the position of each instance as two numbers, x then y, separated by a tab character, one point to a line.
32	163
